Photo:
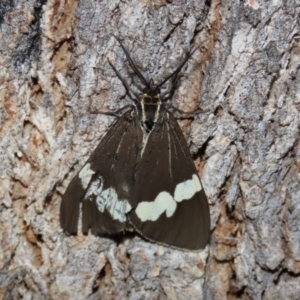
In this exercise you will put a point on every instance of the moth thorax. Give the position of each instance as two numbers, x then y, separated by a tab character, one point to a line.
151	105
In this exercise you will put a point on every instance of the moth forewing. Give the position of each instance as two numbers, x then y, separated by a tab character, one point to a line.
173	208
105	183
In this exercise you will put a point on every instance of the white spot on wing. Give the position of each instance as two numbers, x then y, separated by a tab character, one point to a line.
187	189
151	211
165	203
109	199
85	175
95	188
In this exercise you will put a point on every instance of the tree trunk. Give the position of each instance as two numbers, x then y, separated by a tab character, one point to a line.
245	77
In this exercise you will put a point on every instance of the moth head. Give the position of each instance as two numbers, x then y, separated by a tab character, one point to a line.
151	91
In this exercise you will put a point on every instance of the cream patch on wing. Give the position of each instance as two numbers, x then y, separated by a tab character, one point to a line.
94	188
85	175
187	189
165	203
151	211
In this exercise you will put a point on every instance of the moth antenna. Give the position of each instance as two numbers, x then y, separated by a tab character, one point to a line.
168	94
178	68
132	64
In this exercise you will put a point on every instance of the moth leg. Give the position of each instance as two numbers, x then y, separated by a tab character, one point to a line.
191	112
113	113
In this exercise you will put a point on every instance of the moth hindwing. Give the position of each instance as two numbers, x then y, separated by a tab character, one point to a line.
141	176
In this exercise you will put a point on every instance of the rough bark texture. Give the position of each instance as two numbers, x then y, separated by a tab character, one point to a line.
246	79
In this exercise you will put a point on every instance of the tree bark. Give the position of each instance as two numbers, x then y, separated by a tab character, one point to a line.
245	77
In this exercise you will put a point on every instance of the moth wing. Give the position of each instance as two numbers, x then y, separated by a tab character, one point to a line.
170	204
104	184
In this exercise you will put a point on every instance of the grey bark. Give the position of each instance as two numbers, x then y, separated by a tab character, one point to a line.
245	142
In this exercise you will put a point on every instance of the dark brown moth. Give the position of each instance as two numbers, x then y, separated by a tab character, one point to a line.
141	176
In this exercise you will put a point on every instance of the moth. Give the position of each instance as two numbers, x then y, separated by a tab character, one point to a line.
141	176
